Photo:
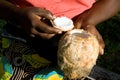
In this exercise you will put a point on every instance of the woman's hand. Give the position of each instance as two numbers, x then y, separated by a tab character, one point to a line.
32	20
99	12
81	22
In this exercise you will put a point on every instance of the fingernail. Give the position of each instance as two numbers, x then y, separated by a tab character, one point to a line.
54	16
59	32
32	35
102	51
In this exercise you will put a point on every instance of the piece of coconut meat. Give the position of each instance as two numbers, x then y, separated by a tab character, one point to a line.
63	23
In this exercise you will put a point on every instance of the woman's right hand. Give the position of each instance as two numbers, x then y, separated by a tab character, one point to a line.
31	21
82	22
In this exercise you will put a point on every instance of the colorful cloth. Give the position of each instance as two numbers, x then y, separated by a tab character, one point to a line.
68	8
24	58
21	61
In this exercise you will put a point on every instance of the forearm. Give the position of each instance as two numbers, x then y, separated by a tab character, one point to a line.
7	10
101	11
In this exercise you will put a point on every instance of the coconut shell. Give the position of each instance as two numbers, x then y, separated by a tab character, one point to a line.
63	23
78	51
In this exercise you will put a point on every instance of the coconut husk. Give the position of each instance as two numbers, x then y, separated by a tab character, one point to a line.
78	51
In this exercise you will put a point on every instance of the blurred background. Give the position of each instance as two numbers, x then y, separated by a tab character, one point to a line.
110	31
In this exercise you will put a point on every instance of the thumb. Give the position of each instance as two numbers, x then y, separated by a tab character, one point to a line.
78	23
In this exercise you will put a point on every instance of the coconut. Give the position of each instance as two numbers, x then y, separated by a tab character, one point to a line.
63	23
78	51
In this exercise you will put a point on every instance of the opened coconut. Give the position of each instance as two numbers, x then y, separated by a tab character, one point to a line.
78	51
63	23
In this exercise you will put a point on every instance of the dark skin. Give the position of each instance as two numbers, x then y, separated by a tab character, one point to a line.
30	18
99	12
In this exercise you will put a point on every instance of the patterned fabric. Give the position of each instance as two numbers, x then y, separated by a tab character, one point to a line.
20	61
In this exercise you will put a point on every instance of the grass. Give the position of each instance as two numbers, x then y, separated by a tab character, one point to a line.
110	30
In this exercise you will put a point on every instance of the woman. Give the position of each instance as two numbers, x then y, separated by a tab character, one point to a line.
31	39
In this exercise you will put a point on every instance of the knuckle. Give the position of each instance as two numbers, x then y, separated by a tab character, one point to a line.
32	31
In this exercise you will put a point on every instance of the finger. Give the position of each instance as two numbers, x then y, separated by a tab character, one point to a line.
34	33
49	15
45	35
45	14
48	29
95	32
78	23
101	42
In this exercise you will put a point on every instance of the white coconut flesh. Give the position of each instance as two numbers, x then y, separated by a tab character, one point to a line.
63	23
80	33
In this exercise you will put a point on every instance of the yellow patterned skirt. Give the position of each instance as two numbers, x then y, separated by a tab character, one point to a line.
20	60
